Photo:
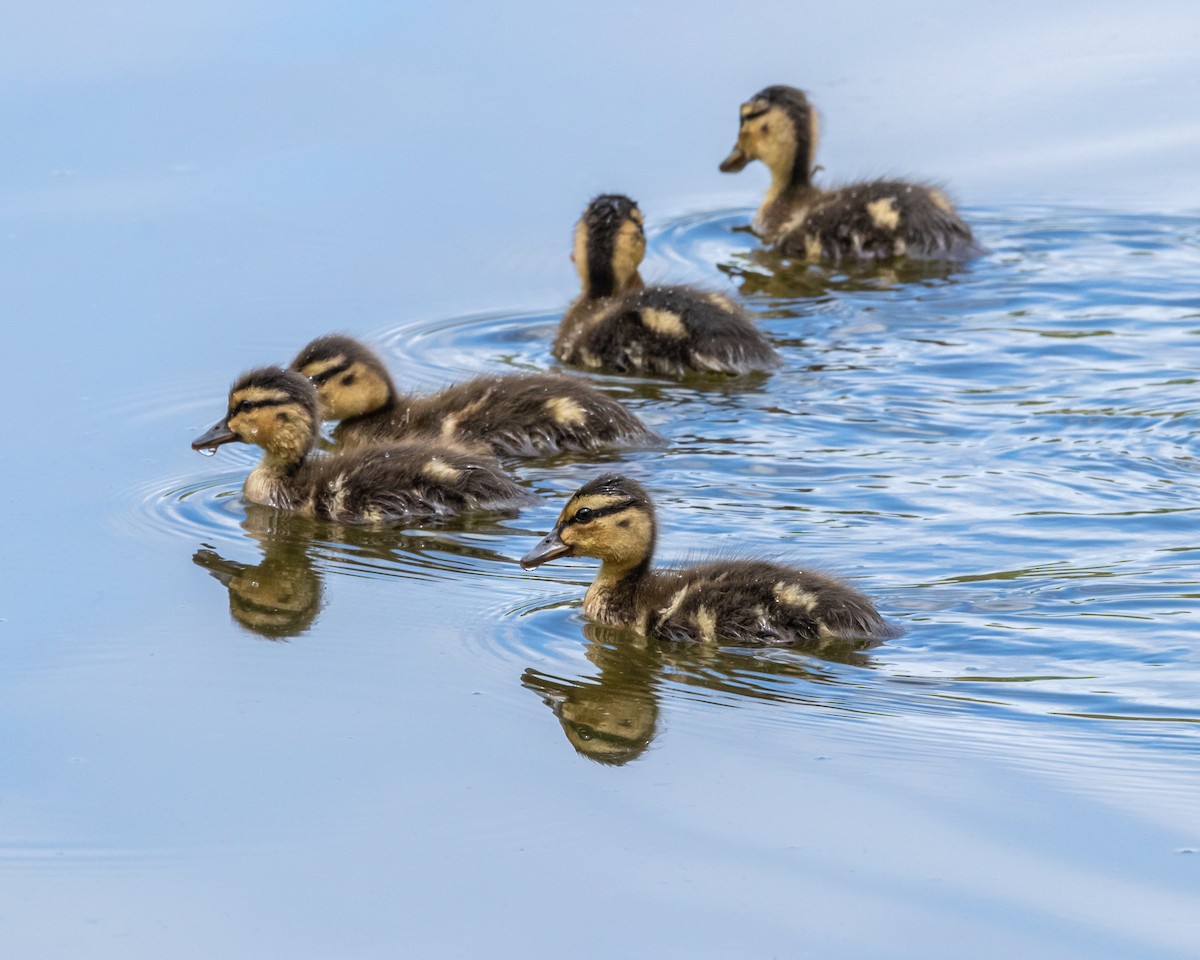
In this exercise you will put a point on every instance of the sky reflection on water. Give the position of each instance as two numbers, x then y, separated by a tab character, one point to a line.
1004	455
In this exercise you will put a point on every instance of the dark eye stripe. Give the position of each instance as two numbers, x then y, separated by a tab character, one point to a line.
247	405
597	512
755	115
319	378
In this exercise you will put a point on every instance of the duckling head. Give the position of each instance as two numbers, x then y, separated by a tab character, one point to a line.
610	242
271	407
611	518
779	127
350	379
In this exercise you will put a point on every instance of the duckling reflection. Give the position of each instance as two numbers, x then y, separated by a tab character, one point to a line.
276	598
613	718
764	272
282	595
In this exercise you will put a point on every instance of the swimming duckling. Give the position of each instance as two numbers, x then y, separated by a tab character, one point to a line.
516	415
618	324
738	602
417	479
875	220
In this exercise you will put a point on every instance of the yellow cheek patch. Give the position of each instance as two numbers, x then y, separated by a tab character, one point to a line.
884	213
664	322
566	411
579	251
629	249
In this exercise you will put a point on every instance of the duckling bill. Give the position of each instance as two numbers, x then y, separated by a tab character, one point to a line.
874	220
618	324
418	479
741	602
515	415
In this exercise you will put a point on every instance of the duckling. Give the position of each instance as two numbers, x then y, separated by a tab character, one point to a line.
740	602
619	324
876	220
423	478
519	415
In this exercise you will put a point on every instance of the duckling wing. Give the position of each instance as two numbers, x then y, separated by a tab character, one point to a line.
672	331
536	415
878	220
756	603
410	481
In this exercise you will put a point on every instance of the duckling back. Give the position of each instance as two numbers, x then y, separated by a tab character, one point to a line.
409	480
514	415
876	220
668	331
755	602
522	415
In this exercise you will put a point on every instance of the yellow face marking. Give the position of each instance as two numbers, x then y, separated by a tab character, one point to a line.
435	469
814	132
257	395
770	138
355	391
628	250
579	252
594	501
282	428
664	322
318	367
621	539
884	213
566	411
941	201
793	596
752	106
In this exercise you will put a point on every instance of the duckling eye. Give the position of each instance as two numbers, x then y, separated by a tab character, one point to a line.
348	380
584	514
240	408
585	733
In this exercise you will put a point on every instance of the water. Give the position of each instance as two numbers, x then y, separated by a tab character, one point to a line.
230	732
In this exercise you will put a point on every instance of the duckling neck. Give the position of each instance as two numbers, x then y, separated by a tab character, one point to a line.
602	284
612	597
783	198
267	483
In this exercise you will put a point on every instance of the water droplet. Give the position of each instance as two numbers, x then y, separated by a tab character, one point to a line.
208	451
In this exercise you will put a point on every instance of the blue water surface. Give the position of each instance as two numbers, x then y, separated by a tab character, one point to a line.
234	733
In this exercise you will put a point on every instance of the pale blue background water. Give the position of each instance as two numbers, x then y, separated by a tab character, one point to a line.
1005	458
